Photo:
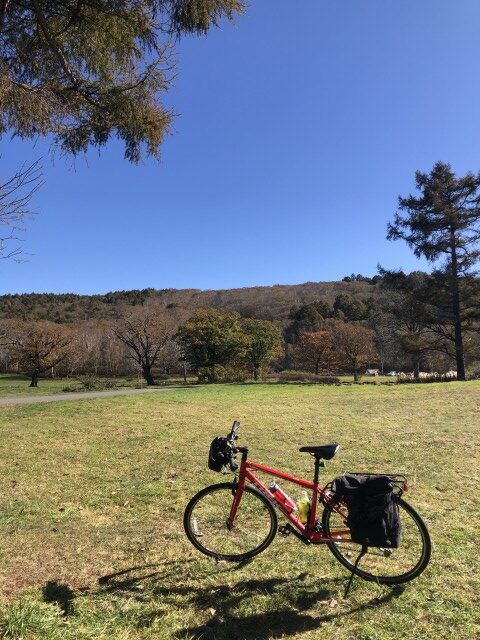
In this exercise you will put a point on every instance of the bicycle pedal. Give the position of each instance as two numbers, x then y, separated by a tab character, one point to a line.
284	530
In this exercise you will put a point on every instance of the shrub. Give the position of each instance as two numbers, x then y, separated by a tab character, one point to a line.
327	380
94	383
89	382
68	389
219	373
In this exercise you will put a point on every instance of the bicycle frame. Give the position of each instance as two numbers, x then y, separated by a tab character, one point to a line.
307	531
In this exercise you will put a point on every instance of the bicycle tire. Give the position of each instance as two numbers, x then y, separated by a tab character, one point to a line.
205	523
371	566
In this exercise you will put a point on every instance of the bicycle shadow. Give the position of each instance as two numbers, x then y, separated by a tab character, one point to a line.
130	581
293	604
283	621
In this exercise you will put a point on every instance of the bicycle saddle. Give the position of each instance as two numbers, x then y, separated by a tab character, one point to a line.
326	451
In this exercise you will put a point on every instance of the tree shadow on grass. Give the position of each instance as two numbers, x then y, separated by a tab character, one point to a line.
290	605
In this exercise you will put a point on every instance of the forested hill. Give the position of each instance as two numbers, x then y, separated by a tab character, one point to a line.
271	303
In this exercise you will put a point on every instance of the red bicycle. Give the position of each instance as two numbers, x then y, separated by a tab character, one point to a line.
235	521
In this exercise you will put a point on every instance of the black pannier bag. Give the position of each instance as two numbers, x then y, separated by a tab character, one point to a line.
373	516
218	455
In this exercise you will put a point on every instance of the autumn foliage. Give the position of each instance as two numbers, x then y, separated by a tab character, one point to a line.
39	346
316	352
356	347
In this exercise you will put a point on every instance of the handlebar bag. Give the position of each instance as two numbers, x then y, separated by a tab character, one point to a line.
373	516
218	455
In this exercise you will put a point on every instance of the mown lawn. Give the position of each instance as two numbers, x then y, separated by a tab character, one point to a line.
93	492
19	385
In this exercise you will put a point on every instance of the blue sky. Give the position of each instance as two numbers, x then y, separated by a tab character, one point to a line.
298	128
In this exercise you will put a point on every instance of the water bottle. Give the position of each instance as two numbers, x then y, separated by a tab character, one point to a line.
282	497
303	505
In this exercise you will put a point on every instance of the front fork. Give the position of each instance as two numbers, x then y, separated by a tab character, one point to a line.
238	488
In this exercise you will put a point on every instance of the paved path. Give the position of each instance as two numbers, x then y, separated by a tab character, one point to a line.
84	395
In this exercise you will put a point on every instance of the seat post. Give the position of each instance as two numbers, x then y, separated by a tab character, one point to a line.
316	473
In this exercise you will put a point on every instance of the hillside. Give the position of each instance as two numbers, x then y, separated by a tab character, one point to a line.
271	303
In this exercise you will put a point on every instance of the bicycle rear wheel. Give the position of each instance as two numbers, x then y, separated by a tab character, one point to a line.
385	566
206	523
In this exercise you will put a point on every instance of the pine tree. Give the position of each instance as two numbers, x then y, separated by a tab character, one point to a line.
84	71
443	223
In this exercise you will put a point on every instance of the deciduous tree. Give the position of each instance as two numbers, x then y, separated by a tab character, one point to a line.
306	319
412	315
262	340
16	194
351	308
40	346
315	352
211	339
145	332
356	347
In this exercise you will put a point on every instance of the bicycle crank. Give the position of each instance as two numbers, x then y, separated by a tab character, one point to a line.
284	530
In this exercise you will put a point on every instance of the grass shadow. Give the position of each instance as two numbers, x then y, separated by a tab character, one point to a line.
281	622
291	605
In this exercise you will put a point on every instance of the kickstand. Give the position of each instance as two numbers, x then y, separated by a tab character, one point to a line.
352	575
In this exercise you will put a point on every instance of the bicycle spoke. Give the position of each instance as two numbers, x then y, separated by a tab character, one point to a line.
207	517
385	564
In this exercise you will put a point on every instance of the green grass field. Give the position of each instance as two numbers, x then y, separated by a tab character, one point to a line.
18	385
93	493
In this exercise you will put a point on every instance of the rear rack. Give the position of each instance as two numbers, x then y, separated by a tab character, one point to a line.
400	481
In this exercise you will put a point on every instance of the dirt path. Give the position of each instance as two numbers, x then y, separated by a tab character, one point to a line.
84	395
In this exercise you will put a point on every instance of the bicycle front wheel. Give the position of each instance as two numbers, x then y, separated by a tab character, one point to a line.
206	523
385	566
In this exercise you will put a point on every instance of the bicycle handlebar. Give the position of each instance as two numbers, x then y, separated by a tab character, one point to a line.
232	436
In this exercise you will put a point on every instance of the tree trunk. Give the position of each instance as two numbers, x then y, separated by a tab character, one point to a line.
416	369
34	380
210	374
459	355
457	312
185	372
356	375
255	373
147	374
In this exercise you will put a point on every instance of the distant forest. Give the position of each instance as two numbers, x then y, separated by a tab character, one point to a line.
315	331
273	303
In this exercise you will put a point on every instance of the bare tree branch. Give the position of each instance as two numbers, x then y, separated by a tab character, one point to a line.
3	10
15	197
